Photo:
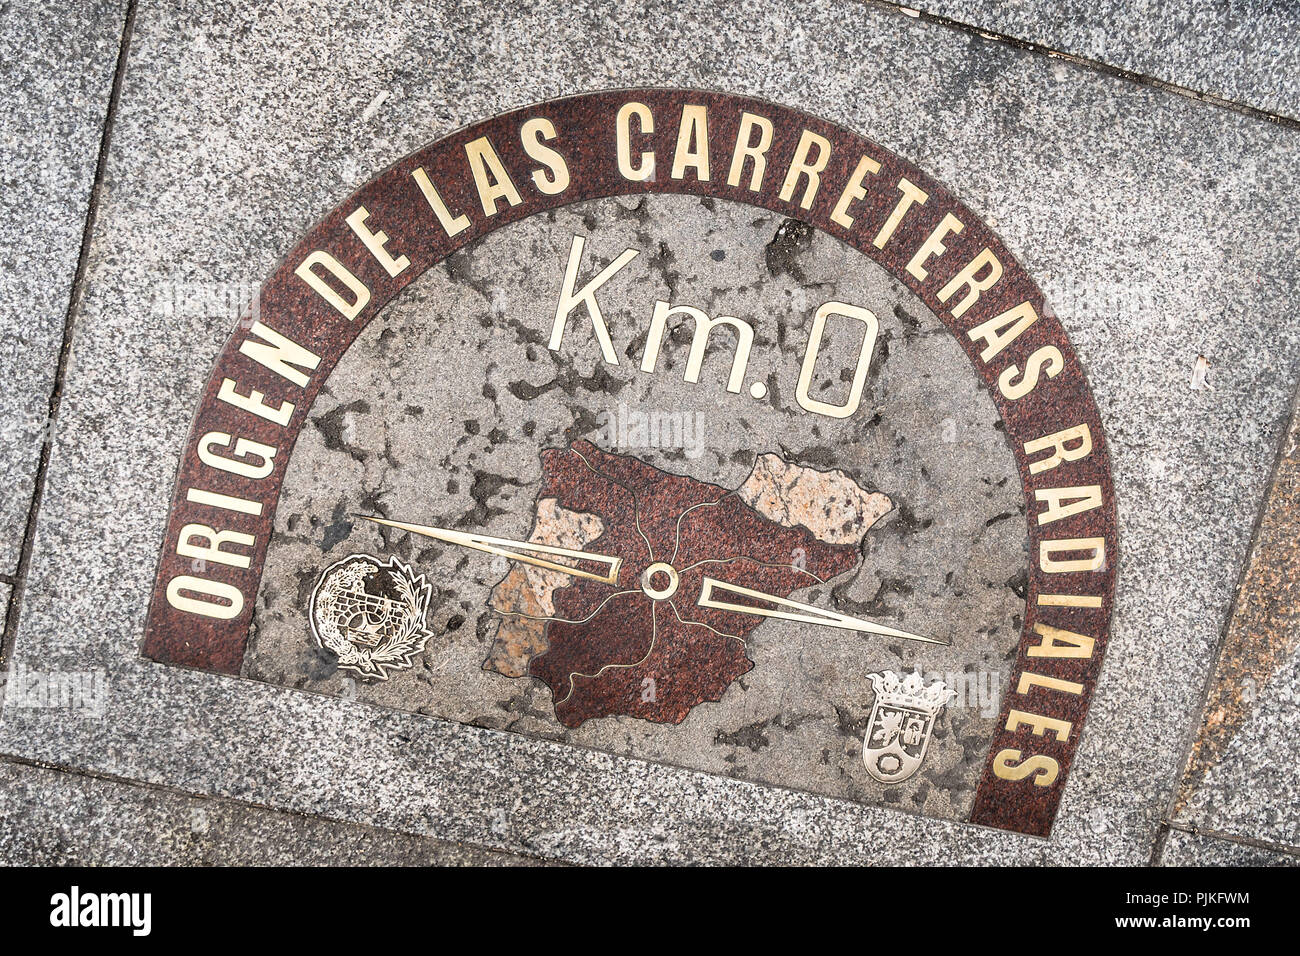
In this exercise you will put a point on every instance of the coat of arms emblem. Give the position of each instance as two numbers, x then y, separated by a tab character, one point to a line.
898	732
371	614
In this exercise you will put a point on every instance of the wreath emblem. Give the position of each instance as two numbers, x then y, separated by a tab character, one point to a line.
371	614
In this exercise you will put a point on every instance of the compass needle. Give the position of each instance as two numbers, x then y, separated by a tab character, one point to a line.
788	610
525	552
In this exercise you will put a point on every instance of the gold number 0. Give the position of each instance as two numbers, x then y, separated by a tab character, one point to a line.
871	326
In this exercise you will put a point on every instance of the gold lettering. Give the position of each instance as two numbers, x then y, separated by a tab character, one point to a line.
490	177
1062	450
645	172
1048	357
1057	642
280	355
243	449
1043	768
1038	725
570	300
1064	502
360	294
800	167
375	241
201	496
969	277
745	149
853	191
451	225
206	607
912	194
253	402
532	133
704	327
1029	680
216	541
993	331
694	127
1047	549
933	246
1069	600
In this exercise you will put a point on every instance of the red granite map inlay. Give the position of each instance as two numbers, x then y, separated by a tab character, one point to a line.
596	668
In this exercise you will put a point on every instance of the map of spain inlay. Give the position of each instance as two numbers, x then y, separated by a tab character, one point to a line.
662	633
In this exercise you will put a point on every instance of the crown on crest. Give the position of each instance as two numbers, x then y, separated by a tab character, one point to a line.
911	691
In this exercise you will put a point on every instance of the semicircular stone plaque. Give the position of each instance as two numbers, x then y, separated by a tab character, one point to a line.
671	424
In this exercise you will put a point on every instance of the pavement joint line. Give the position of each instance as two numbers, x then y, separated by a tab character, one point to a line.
236	803
1225	836
1101	66
19	577
1158	844
1193	730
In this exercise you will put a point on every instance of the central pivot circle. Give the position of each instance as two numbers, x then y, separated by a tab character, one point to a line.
659	591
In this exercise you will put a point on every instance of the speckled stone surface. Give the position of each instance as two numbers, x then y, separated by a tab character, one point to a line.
1252	790
1185	849
54	92
1247	51
1113	195
1241	773
53	818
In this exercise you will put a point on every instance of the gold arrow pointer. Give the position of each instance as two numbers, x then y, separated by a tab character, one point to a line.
524	551
805	613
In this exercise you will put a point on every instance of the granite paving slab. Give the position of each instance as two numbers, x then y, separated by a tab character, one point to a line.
53	818
1114	195
1241	771
1247	51
54	92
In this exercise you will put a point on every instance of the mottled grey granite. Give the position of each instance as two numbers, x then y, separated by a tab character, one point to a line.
1254	790
54	91
1242	50
53	818
1241	771
1115	195
1186	849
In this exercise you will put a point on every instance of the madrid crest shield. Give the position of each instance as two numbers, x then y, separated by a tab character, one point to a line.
902	718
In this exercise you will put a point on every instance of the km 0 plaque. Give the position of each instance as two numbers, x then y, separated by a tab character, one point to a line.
712	434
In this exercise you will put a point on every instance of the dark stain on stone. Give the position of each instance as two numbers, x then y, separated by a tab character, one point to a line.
338	529
331	426
905	520
751	736
486	486
846	725
1019	584
793	238
819	456
911	324
569	382
306	580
